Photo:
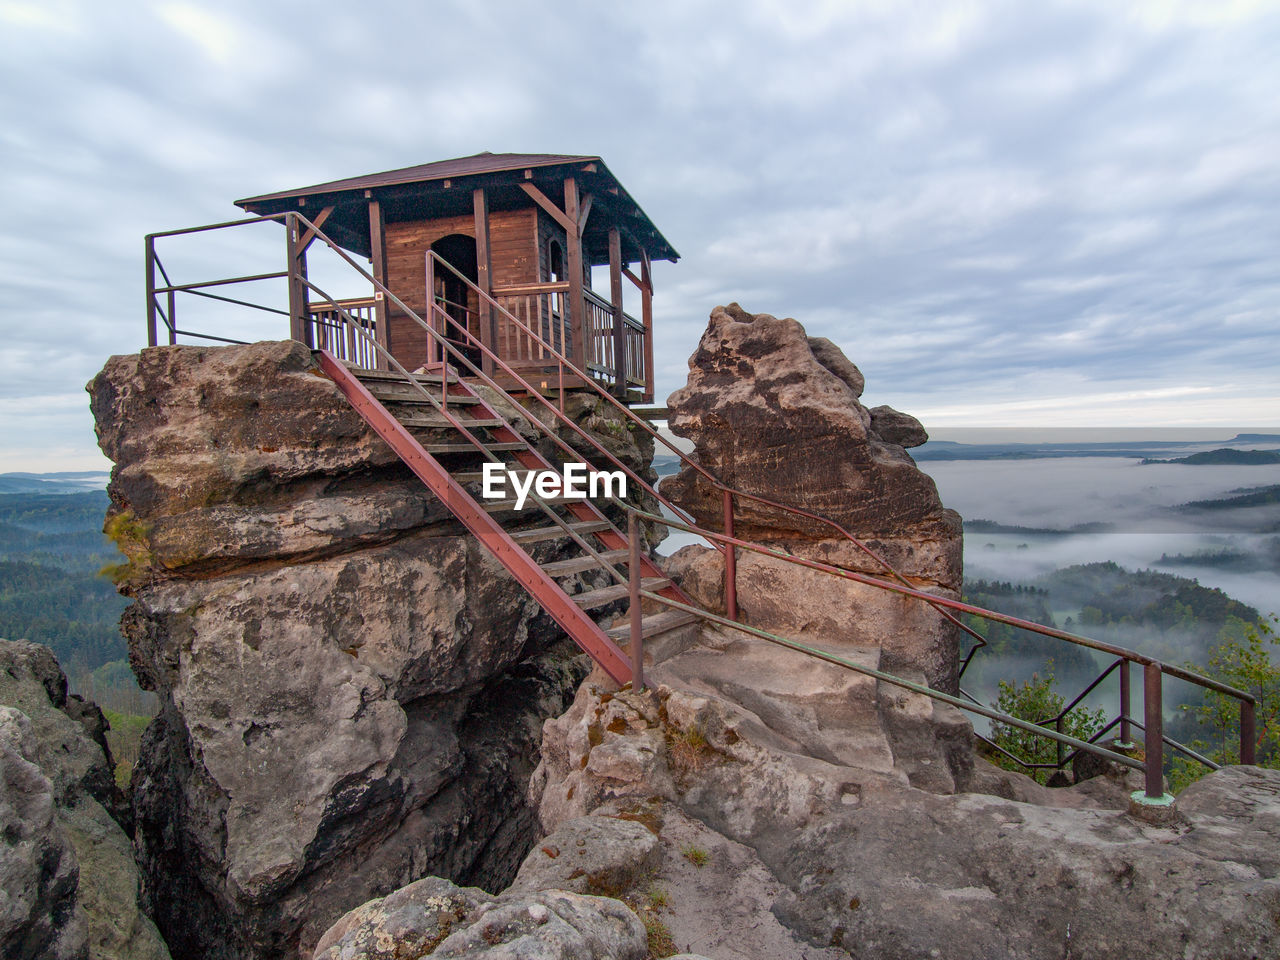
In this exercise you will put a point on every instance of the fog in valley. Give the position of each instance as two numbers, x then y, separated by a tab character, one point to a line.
1137	502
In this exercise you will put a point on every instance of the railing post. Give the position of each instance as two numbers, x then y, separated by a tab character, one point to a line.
1058	726
1248	733
1125	731
1153	728
637	624
730	562
171	304
151	292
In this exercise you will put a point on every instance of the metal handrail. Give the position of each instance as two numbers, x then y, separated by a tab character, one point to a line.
1152	726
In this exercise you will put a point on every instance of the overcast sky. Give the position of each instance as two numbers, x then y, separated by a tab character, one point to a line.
1006	213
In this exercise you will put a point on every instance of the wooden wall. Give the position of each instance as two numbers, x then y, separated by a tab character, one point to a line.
514	254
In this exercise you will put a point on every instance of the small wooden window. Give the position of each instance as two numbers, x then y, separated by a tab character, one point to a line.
555	260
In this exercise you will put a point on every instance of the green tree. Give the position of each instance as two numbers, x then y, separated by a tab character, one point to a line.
1243	659
1036	701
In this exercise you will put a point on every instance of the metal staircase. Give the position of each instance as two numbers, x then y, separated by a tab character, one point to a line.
397	405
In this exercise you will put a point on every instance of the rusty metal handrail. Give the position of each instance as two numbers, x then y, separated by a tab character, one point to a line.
1153	671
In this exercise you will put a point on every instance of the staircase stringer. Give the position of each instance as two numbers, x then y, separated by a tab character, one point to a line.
575	622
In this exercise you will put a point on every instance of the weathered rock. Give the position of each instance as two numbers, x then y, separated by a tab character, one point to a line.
768	417
351	689
39	916
993	878
597	855
857	862
893	426
775	413
66	745
434	917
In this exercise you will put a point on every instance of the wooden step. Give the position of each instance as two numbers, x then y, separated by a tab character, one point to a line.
554	532
477	476
653	624
509	504
619	591
562	568
470	448
369	377
435	421
403	392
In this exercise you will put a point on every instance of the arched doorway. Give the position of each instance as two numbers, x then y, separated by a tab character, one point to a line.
459	300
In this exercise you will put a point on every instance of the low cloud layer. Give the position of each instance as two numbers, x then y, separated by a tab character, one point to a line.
1006	213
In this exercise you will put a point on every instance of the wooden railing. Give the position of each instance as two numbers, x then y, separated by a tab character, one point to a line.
329	329
602	343
594	339
543	307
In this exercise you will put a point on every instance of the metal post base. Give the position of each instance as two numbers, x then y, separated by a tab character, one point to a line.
1158	811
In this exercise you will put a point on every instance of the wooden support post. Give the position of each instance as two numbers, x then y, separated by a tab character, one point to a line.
298	325
577	320
619	327
378	260
484	271
646	316
1153	727
431	316
151	293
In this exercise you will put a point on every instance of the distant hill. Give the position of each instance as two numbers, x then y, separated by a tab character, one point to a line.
991	526
53	483
1252	498
1226	456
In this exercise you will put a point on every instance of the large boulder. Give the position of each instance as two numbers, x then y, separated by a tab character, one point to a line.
351	688
433	917
768	850
775	413
85	889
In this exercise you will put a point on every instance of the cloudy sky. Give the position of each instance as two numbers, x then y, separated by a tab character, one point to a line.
1006	213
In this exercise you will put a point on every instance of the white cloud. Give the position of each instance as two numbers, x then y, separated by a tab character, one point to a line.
1006	202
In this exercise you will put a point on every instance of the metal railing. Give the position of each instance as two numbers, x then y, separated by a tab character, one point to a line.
438	331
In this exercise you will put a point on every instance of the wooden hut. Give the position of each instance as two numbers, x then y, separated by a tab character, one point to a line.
522	229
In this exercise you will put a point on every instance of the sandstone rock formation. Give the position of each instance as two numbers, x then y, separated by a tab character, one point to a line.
351	688
67	866
769	851
775	413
